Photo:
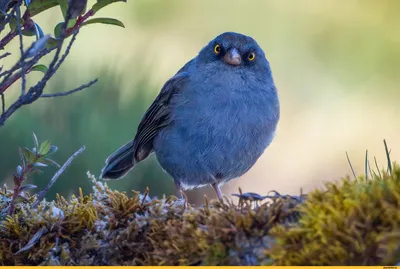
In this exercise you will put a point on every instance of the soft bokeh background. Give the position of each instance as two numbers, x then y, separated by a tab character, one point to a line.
336	64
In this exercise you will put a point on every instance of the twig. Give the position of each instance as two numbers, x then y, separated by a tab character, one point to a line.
5	55
351	166
3	104
34	60
21	47
7	39
42	193
66	51
87	85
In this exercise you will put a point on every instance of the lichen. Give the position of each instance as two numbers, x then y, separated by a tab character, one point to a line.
108	227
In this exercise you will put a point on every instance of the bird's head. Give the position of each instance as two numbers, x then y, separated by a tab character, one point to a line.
233	50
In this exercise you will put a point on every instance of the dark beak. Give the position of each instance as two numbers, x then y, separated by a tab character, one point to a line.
232	57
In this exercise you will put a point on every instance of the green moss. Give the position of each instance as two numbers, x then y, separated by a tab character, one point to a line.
354	222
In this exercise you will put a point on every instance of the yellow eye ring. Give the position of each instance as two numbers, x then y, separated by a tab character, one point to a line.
251	56
217	49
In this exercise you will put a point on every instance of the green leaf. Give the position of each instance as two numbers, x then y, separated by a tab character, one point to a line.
13	23
64	7
50	161
52	43
30	28
71	23
29	155
44	148
40	67
57	29
22	157
38	6
104	21
102	3
35	141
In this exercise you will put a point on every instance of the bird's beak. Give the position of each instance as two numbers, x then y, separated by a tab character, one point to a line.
232	57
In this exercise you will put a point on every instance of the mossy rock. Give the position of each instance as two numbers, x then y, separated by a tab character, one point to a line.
352	222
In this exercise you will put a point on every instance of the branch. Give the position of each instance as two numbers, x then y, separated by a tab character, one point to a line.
84	86
21	47
36	91
5	55
42	193
3	103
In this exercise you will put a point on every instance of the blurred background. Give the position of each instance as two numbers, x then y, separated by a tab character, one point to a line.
336	65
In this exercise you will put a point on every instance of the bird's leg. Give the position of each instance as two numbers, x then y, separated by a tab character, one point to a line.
218	191
181	193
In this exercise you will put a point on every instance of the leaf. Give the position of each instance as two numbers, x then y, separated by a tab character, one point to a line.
59	26
35	140
38	31
104	21
50	161
39	164
21	156
29	155
102	3
64	7
35	239
40	67
76	8
13	23
57	29
30	28
28	187
44	147
51	43
33	171
52	150
38	6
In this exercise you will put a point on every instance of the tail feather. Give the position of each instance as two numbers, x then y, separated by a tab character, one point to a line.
119	163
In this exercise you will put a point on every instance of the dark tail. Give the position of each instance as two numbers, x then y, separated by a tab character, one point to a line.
119	163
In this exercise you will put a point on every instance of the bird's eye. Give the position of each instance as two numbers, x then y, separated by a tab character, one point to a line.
217	49
252	56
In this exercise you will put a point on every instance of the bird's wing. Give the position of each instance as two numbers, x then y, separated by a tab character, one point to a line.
156	117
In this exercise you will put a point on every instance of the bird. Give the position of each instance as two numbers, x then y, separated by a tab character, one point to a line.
211	121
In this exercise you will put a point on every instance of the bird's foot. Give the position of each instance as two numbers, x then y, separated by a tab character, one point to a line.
181	194
217	189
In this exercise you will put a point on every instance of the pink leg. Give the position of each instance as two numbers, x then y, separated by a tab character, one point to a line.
218	191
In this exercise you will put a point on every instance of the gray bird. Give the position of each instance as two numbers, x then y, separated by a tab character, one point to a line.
211	121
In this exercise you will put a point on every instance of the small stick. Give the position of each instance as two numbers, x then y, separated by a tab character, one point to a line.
41	194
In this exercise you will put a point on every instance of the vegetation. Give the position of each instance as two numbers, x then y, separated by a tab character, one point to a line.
351	222
75	16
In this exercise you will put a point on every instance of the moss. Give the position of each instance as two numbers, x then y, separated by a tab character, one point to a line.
351	222
108	227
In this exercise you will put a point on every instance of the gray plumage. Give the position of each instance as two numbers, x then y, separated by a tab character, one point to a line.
211	121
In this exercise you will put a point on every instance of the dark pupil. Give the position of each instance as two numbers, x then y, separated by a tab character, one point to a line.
217	48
